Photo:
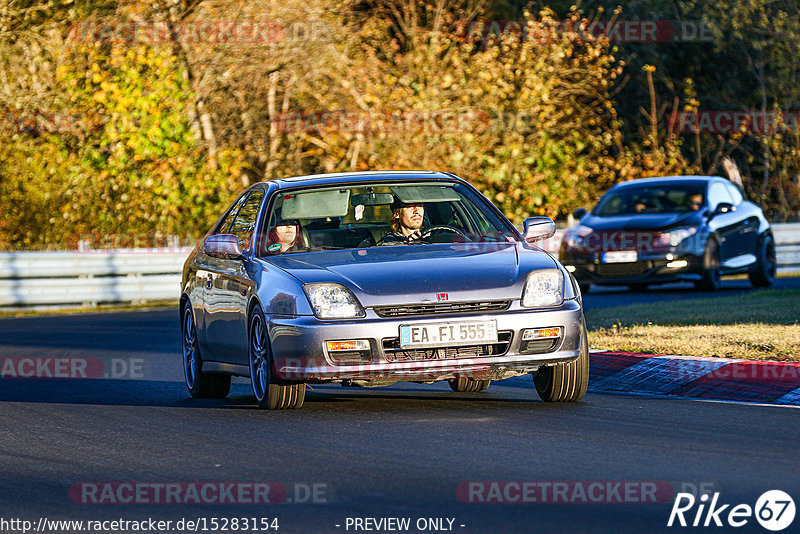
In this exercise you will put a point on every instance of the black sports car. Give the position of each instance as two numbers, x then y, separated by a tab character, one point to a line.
656	230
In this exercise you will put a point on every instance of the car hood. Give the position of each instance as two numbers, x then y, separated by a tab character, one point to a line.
646	221
411	274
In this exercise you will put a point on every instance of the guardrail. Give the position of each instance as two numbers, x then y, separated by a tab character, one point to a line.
90	277
141	275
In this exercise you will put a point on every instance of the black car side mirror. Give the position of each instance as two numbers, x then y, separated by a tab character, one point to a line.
223	246
722	207
579	213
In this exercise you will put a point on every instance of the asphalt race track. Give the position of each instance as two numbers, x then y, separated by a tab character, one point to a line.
608	296
407	451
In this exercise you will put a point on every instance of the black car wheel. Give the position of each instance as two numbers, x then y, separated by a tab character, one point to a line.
468	385
710	280
198	383
565	382
270	392
767	265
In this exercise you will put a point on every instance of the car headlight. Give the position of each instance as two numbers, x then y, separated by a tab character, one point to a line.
574	236
544	287
674	237
333	301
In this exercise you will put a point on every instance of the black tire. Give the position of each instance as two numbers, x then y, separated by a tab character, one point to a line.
767	265
199	384
270	392
710	280
585	287
468	385
565	382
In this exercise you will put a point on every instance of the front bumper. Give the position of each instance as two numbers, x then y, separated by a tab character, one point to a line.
650	268
299	354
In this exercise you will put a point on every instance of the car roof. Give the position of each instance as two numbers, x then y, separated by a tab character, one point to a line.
669	180
361	176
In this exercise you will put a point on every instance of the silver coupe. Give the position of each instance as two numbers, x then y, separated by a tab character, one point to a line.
373	278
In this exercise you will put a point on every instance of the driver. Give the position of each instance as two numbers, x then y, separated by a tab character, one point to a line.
406	223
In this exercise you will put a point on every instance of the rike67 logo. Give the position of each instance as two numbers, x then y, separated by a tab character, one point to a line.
774	510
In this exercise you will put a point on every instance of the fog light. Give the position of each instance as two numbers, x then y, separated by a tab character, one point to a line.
570	268
354	344
540	340
540	333
677	264
349	352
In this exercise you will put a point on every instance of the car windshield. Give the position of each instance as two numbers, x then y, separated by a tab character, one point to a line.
379	214
628	200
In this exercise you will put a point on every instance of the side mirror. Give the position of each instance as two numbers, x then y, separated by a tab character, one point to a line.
224	246
579	213
537	229
722	207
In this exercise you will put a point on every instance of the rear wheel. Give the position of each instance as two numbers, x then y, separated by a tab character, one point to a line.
468	385
270	392
198	383
710	280
764	273
566	382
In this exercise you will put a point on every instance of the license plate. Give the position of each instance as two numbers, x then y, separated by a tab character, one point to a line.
620	256
448	334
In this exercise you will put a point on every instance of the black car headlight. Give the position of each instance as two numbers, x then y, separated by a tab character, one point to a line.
675	236
333	301
543	288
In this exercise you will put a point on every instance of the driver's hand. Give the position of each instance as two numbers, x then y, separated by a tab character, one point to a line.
415	237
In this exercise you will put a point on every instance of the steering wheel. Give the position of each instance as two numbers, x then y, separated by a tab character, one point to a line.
427	233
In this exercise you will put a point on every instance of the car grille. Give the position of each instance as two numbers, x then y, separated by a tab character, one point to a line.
393	352
611	270
442	307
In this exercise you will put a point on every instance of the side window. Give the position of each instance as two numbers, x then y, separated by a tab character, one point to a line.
718	193
245	221
224	228
735	193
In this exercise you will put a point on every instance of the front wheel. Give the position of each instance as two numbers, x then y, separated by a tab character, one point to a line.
198	383
468	385
710	280
764	273
565	382
270	392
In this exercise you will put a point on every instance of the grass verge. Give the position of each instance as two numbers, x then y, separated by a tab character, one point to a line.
757	325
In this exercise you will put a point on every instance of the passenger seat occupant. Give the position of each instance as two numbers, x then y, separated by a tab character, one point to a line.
696	201
285	237
406	223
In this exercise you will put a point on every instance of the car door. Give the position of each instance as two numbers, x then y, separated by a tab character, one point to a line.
728	226
748	237
207	266
227	300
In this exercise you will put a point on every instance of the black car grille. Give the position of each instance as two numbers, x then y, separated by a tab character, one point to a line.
393	352
613	270
442	307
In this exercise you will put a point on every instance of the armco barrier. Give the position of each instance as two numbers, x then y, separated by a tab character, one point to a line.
91	277
138	275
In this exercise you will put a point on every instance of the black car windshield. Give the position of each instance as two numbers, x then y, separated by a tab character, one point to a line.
379	214
628	200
